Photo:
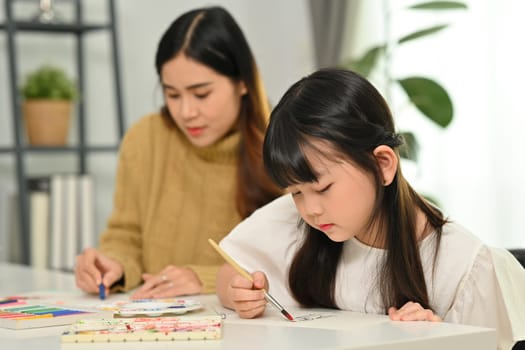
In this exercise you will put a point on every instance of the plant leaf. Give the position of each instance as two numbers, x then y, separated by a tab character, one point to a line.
410	148
367	62
430	98
48	82
439	5
421	33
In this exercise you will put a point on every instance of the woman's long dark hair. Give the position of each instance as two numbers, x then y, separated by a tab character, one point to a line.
343	110
211	36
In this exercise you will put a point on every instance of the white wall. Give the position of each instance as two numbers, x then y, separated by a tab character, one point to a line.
278	32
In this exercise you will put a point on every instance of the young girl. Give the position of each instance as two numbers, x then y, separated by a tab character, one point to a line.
190	172
359	237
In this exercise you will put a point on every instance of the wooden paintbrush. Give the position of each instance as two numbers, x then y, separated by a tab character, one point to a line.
246	275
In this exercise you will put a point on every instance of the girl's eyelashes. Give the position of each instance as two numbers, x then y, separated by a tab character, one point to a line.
324	189
203	95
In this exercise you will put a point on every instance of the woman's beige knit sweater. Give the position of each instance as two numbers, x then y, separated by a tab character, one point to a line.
170	197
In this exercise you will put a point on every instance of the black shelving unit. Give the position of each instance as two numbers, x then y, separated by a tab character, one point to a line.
79	29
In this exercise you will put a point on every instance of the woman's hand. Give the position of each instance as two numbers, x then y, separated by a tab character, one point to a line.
93	268
412	312
170	282
246	297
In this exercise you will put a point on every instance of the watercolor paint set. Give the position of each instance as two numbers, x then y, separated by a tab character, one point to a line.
144	329
21	314
152	307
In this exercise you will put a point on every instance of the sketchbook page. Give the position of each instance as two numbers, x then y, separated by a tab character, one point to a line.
321	318
315	318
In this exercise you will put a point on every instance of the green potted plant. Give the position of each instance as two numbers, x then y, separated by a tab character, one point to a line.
48	102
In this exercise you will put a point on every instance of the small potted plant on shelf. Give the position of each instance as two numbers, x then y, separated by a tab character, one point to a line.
48	102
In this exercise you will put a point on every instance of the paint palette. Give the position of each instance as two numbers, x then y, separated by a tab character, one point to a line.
152	307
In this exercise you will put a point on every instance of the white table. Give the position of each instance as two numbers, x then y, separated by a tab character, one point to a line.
344	330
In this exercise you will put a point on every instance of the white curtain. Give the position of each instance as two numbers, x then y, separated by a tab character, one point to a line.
328	24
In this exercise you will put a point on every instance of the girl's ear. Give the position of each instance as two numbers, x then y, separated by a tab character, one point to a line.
242	89
387	160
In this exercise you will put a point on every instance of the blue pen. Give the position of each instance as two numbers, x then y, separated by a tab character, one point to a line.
102	290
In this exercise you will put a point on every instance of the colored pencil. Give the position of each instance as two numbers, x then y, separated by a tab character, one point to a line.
102	290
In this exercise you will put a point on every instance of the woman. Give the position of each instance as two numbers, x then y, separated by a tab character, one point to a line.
190	172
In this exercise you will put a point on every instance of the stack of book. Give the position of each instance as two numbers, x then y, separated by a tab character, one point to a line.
62	219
